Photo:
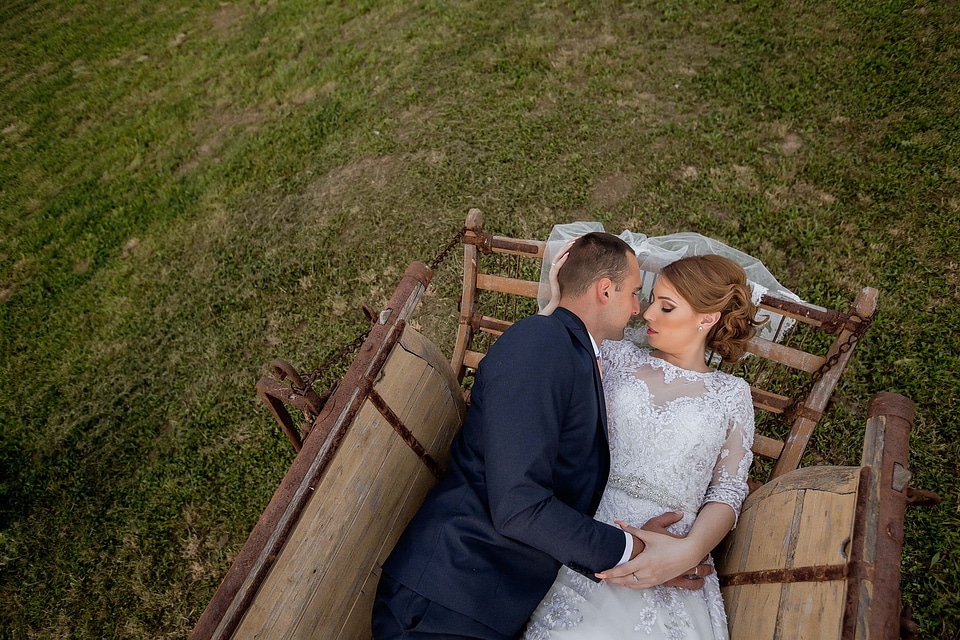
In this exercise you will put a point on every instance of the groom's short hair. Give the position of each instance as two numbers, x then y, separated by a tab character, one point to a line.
592	257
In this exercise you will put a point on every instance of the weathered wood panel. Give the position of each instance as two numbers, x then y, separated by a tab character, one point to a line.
825	529
330	562
792	545
809	610
752	610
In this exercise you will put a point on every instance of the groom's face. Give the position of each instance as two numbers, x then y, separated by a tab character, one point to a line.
624	300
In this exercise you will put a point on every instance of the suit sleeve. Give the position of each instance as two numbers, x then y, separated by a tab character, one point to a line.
531	388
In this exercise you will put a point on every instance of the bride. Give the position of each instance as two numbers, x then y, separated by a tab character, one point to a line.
680	435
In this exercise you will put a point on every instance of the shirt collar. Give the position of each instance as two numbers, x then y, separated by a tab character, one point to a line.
596	349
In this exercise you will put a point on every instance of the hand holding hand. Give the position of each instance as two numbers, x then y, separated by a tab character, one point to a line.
664	559
691	580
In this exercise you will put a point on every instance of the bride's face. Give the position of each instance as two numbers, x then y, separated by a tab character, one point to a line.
672	324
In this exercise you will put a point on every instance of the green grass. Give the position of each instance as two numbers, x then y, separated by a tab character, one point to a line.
190	189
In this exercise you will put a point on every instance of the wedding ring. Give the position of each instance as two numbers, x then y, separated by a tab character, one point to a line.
691	576
635	578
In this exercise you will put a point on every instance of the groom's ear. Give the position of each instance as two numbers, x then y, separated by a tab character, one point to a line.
603	288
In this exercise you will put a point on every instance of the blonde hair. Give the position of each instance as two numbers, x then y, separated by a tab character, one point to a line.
711	284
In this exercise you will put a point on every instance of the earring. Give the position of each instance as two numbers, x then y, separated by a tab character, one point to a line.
700	328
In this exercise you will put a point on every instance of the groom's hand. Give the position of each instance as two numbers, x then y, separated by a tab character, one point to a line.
661	522
657	525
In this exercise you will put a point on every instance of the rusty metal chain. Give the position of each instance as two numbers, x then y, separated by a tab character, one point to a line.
330	362
860	325
857	326
450	245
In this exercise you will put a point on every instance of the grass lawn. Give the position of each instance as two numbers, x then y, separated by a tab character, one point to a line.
191	188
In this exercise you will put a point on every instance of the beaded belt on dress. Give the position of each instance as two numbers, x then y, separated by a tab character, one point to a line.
640	488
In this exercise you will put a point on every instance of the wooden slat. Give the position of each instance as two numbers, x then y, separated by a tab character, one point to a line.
810	610
836	479
772	534
511	246
770	401
826	528
789	356
515	286
752	610
801	311
472	358
766	447
494	326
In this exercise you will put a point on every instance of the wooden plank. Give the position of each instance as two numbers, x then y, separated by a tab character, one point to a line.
472	358
412	407
752	610
800	311
762	536
812	610
468	299
789	356
769	401
512	246
288	593
767	447
494	326
826	528
525	288
838	479
357	624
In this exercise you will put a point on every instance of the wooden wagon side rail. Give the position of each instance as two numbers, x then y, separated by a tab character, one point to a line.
248	572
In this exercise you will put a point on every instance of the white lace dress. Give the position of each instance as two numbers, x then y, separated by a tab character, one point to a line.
678	439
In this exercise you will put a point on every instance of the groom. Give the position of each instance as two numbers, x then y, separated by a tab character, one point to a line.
526	470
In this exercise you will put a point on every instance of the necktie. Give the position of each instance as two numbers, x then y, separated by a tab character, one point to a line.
600	367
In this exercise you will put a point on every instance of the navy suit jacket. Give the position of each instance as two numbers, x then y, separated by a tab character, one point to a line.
526	473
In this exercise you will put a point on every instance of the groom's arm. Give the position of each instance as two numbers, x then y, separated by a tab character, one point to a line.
531	385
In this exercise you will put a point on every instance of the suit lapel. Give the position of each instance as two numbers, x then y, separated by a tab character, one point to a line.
580	334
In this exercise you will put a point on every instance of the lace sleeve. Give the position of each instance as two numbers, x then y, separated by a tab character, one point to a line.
729	483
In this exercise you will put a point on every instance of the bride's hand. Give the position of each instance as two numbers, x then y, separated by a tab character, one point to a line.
692	579
665	559
558	261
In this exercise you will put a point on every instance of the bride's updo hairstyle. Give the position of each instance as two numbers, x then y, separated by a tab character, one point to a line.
712	283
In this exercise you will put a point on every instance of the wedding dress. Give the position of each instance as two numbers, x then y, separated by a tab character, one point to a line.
678	439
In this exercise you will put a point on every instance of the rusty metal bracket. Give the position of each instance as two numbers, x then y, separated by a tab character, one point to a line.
823	573
922	497
482	240
405	434
276	395
803	411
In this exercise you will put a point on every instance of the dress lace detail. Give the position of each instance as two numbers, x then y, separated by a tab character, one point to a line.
678	439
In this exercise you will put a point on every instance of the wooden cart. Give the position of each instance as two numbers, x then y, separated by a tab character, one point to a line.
816	553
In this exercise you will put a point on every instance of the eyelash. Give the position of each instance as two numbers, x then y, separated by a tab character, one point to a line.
664	309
